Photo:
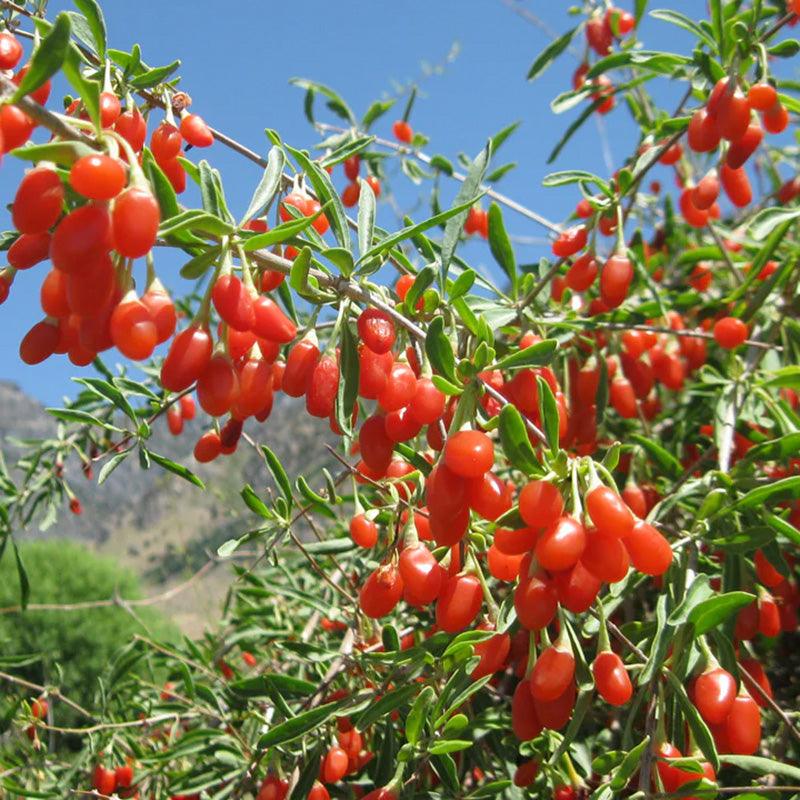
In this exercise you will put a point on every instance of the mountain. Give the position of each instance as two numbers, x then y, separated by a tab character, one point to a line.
160	525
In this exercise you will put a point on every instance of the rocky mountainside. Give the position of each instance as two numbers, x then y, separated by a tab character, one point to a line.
160	525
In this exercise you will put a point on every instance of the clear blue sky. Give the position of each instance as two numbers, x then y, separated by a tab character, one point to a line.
236	62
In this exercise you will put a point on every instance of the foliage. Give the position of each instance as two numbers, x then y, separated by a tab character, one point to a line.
70	649
596	450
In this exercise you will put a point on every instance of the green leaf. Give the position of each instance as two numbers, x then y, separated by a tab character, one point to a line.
97	24
196	220
682	21
516	443
416	716
268	185
177	469
366	218
548	411
465	198
107	391
22	574
198	265
348	149
629	764
715	610
297	726
449	746
662	457
261	685
326	193
461	285
784	528
154	76
280	233
765	221
388	703
763	766
165	194
440	351
500	245
776	491
775	449
335	102
423	280
568	176
375	112
47	58
62	153
445	768
278	473
536	355
88	90
254	502
81	417
702	735
550	53
503	134
347	392
412	230
111	465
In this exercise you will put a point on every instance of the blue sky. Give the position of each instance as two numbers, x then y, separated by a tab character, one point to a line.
237	60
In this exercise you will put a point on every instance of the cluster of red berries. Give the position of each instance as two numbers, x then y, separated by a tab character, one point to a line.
352	192
108	781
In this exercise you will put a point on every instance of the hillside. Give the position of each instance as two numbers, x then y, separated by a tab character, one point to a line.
160	525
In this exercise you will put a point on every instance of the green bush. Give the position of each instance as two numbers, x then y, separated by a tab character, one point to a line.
70	649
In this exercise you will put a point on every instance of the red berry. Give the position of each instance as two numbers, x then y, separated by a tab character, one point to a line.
609	512
195	131
459	603
730	332
132	328
381	592
376	329
649	551
469	453
97	176
40	342
186	359
714	693
553	671
561	545
363	531
135	220
217	386
402	131
38	202
611	679
10	50
110	109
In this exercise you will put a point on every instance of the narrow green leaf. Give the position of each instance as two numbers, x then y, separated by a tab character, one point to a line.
347	393
776	491
296	726
765	221
536	355
668	462
178	469
268	185
280	233
412	230
763	766
366	218
464	200
111	465
387	703
715	610
22	574
416	716
702	735
440	351
88	90
500	245
62	153
326	193
47	59
516	443
97	25
279	473
548	411
550	53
